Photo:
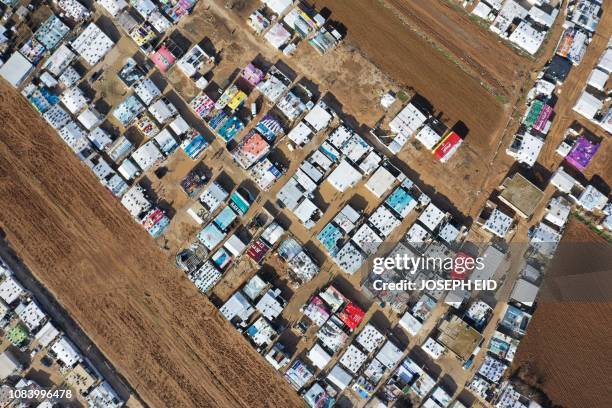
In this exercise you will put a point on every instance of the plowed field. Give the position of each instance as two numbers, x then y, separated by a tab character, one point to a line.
568	343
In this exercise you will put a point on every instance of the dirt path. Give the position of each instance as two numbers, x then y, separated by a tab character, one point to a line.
164	337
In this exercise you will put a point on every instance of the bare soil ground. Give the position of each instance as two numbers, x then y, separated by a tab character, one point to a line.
167	340
479	49
567	345
403	54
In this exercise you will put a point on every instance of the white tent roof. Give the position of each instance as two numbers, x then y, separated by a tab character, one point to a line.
339	377
300	134
303	266
128	169
433	348
206	277
179	126
416	235
104	396
530	149
389	355
318	356
147	155
481	10
410	324
498	223
253	288
605	62
146	90
92	44
278	6
69	77
545	239
270	304
89	118
277	35
353	359
344	176
10	290
237	305
16	69
74	100
428	137
527	37
563	181
432	217
234	245
370	163
8	365
558	211
524	292
319	118
370	338
272	233
47	79
162	111
349	258
407	121
492	259
59	60
46	334
380	182
592	199
213	196
57	117
66	352
598	79
540	16
99	138
367	239
113	6
135	201
384	221
587	105
305	211
31	315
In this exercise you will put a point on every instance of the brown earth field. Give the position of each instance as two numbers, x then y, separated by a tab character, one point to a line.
479	49
397	50
163	336
568	342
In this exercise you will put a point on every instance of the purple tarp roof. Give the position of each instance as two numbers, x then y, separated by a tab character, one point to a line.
582	153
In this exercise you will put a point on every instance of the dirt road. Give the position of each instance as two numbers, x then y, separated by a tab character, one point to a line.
165	338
